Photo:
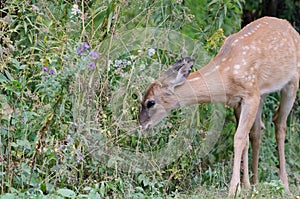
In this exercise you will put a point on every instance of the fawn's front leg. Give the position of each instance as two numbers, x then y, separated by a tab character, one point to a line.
249	107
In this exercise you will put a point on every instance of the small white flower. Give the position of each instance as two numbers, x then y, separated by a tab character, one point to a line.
140	51
132	57
34	8
75	10
142	66
118	63
151	52
124	63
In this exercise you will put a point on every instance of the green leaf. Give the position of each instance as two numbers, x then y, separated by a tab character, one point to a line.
94	194
66	193
25	26
212	2
110	186
83	196
221	20
43	187
109	22
3	78
13	144
102	189
225	10
9	75
8	196
24	143
87	188
239	4
22	67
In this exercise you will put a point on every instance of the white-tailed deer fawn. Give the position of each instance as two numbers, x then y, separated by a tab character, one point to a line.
263	57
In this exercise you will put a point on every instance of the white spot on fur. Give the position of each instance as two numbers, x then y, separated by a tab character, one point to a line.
213	70
226	69
245	48
244	52
258	50
298	64
237	66
194	79
244	62
235	42
281	44
253	47
224	59
206	74
235	72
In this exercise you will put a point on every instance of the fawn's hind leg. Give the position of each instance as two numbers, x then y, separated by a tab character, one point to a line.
288	96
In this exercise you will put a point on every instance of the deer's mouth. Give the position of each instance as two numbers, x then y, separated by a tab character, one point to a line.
145	127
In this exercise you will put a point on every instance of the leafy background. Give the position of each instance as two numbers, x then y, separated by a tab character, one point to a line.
61	88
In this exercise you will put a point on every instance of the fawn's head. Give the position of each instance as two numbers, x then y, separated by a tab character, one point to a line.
160	97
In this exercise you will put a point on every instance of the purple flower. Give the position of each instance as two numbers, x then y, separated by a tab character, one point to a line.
51	71
83	48
80	50
86	46
44	68
94	54
92	65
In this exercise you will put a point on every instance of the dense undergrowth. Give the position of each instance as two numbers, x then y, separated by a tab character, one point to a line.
72	75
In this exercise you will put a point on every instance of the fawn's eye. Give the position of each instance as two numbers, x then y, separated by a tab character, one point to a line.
150	103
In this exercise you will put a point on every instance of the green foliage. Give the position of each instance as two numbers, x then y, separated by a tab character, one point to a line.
285	9
212	16
63	125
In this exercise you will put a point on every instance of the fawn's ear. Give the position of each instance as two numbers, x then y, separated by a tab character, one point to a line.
178	73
